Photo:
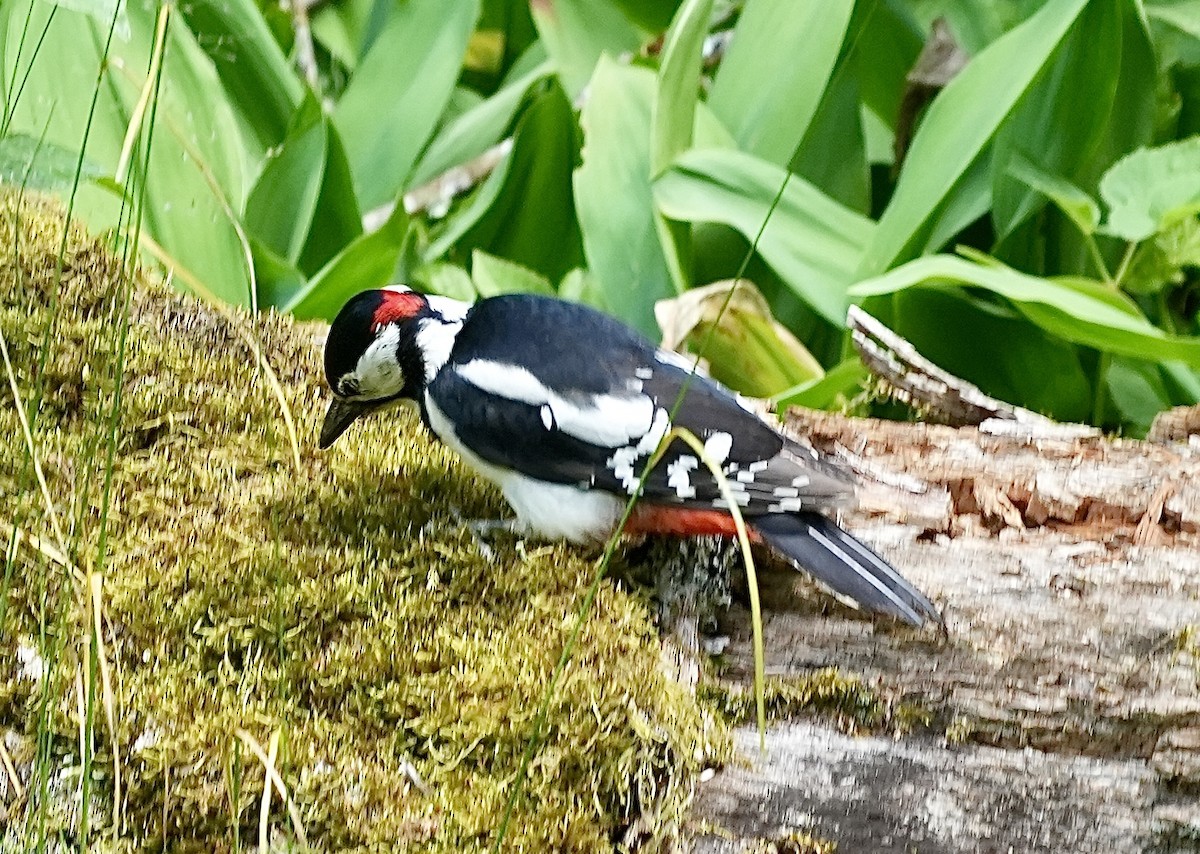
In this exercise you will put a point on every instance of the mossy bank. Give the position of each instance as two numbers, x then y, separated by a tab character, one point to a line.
337	603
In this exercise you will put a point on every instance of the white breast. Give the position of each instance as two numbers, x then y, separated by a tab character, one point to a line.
552	510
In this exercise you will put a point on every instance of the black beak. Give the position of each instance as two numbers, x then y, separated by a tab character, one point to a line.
342	413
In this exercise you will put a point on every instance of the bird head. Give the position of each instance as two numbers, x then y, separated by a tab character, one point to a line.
372	357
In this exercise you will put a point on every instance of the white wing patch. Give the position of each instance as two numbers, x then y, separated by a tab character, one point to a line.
435	339
679	477
606	420
717	446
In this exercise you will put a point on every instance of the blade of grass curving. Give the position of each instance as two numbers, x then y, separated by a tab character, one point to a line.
611	546
264	812
277	781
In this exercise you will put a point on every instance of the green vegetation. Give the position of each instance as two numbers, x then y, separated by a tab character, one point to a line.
1025	213
193	585
339	603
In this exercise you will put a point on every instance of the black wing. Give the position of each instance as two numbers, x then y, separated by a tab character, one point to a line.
566	394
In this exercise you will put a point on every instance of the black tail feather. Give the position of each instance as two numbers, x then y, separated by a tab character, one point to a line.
846	566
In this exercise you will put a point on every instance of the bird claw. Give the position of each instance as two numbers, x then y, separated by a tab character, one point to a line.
481	529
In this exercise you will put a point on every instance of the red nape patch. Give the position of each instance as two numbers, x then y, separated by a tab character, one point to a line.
683	522
396	305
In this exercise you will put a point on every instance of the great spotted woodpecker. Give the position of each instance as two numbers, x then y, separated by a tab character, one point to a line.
562	406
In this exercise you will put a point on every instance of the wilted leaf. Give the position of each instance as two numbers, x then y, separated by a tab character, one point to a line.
1152	189
745	347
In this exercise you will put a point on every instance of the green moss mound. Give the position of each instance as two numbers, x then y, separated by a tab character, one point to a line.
339	603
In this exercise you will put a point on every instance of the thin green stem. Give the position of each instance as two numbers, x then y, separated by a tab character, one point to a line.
1097	258
1123	267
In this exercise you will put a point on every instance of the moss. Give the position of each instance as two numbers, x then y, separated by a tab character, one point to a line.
340	603
852	704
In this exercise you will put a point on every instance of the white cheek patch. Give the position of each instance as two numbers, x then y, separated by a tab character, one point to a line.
378	373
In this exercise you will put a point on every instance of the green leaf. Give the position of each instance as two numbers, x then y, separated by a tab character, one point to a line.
525	213
613	200
767	90
841	383
253	70
290	181
474	131
1065	311
1072	201
41	165
1063	116
1138	391
197	172
678	84
813	243
959	125
449	280
577	32
394	100
367	262
885	41
494	276
1152	189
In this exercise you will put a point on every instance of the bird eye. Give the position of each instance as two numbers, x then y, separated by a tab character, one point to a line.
348	386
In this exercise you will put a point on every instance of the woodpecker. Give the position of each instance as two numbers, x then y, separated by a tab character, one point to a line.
561	406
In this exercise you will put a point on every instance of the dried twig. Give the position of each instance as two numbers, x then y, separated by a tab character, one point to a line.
915	380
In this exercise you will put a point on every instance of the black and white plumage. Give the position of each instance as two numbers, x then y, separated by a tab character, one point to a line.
562	406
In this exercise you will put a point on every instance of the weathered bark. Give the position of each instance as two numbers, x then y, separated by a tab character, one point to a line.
1069	575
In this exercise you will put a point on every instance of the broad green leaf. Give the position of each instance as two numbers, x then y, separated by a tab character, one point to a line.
41	165
960	123
394	99
291	182
1057	308
1062	117
494	276
653	16
367	262
197	173
308	178
261	83
1159	263
772	79
577	32
449	280
613	200
471	133
526	213
813	243
1183	16
102	11
1072	201
476	207
833	153
885	41
678	84
841	383
1152	189
1138	391
277	278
